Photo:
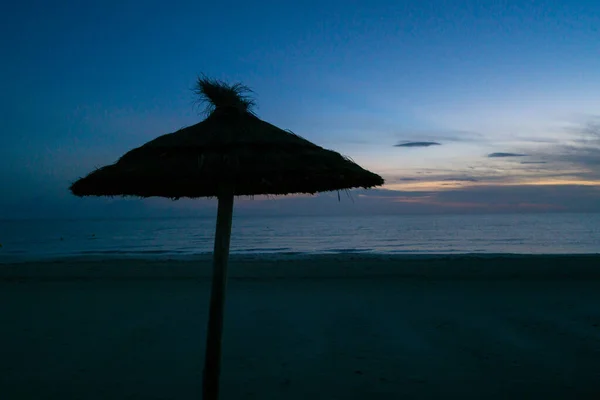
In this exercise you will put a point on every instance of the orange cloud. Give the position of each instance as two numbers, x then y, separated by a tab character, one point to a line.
448	185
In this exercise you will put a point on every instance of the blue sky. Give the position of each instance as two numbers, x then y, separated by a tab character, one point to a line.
84	82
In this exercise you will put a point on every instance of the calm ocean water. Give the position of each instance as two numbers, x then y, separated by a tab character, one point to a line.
524	234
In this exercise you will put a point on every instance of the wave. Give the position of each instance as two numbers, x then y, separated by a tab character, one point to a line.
262	250
347	250
108	252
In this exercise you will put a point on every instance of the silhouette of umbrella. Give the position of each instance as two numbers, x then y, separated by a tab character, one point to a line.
230	153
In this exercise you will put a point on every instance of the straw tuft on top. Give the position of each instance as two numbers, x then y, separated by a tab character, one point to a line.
213	94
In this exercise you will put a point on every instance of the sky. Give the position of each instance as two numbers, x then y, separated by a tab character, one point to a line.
462	106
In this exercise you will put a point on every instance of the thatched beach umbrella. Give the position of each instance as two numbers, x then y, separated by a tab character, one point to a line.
230	153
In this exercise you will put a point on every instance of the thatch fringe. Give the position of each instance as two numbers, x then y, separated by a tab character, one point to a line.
251	171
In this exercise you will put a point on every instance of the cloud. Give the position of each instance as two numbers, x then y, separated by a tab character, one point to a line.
533	139
544	174
585	149
417	144
579	152
433	177
441	136
563	154
461	179
502	155
386	193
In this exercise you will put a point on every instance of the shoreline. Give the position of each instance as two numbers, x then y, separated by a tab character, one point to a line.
314	266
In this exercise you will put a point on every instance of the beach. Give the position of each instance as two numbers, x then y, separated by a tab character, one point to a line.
337	326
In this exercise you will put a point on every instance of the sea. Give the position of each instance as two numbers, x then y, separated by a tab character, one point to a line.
31	240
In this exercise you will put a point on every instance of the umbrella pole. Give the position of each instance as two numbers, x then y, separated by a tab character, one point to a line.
212	360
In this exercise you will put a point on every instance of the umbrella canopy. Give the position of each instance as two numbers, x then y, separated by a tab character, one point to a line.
230	153
233	146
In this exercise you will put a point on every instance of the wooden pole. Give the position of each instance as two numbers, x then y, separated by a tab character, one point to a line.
212	360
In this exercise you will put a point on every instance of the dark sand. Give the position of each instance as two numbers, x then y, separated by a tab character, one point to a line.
321	327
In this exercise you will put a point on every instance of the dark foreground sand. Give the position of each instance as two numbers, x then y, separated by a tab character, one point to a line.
329	327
